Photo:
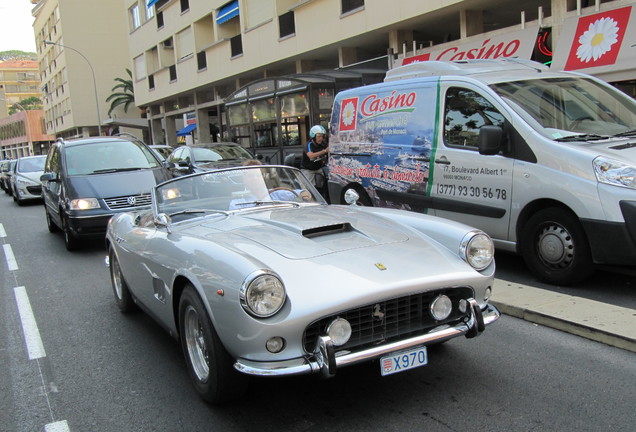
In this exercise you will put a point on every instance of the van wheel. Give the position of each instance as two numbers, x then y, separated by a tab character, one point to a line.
70	241
49	222
364	197
555	248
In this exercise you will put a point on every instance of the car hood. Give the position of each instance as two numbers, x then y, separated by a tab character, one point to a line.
115	184
305	232
226	163
32	176
618	149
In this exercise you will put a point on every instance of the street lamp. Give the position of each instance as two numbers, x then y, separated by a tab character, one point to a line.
99	121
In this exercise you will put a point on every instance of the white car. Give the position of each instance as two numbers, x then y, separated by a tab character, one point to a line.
25	181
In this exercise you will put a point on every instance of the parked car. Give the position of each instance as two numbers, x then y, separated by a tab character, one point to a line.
25	181
6	173
163	151
257	275
206	156
87	180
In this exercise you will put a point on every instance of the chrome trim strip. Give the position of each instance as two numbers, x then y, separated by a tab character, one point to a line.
326	361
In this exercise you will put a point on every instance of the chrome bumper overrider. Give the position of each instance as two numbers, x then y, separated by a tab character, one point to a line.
325	361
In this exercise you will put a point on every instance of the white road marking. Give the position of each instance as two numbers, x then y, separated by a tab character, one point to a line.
3	233
61	426
32	338
8	254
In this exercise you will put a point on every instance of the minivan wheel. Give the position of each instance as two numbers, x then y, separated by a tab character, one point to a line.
555	248
49	222
70	241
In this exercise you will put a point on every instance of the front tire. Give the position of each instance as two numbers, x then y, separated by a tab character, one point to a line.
70	241
209	364
123	297
49	222
555	247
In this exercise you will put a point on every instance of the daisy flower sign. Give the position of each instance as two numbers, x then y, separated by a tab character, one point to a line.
598	39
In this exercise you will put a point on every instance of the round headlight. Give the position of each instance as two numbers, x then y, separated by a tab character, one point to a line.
263	295
441	307
478	250
339	330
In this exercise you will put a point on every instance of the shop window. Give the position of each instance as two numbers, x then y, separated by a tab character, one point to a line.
351	5
264	110
286	24
294	105
238	114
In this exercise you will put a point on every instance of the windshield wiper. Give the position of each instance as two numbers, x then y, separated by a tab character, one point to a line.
114	170
626	133
197	211
261	202
582	137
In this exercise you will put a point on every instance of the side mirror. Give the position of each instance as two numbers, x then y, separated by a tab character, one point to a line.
490	140
183	164
49	177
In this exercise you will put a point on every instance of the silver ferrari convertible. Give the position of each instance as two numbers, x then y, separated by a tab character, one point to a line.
256	274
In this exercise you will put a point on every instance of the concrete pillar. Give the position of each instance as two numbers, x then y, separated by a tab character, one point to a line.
471	22
171	131
558	9
203	125
347	56
303	65
399	39
157	131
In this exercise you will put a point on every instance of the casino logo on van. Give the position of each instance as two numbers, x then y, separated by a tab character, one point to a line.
373	106
348	114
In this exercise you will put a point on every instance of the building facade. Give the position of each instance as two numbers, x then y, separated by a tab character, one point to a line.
23	134
238	66
19	80
81	47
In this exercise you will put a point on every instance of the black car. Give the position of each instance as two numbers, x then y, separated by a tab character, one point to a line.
195	158
6	171
86	181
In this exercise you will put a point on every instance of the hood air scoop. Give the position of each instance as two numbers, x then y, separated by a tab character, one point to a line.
327	230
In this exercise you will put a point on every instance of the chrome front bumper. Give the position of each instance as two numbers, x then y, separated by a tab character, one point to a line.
325	361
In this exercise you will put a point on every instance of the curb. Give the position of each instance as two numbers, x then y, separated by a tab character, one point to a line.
597	321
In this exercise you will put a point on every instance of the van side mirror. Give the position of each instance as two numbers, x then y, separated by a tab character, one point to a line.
490	140
50	177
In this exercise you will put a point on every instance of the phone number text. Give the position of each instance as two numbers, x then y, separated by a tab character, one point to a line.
472	191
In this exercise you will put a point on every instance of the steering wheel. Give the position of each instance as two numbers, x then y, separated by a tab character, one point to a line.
578	120
283	188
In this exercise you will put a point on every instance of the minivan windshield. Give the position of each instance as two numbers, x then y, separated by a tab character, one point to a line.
562	107
105	157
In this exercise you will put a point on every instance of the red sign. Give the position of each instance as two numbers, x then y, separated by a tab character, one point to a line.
417	58
598	39
348	114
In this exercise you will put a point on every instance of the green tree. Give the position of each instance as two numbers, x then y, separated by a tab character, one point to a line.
122	94
32	103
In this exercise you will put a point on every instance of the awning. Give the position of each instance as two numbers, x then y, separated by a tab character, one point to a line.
152	2
601	44
186	130
227	12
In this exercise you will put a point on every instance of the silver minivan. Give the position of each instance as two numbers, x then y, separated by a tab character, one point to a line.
543	161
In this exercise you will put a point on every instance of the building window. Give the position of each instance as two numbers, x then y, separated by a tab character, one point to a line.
185	5
173	73
135	21
202	61
150	12
350	5
151	82
237	45
159	20
140	67
286	24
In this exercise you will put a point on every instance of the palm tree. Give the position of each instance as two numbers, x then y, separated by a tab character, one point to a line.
122	94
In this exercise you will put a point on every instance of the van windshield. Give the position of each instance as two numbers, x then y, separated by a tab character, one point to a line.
562	107
105	157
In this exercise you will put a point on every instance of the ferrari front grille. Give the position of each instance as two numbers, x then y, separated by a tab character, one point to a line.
389	320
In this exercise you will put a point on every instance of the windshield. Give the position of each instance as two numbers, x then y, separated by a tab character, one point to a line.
234	189
219	153
561	107
29	165
105	157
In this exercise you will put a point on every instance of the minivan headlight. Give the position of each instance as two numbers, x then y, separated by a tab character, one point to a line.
262	294
614	173
84	204
477	249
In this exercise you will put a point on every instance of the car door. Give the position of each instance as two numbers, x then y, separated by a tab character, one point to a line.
52	187
470	187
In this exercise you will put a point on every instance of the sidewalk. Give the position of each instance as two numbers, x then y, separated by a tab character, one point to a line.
601	322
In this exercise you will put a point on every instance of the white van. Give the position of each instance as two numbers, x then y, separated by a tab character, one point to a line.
543	161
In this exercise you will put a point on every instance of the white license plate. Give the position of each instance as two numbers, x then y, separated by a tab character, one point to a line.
405	360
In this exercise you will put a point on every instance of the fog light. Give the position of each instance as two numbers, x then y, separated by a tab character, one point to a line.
275	344
463	306
441	307
339	331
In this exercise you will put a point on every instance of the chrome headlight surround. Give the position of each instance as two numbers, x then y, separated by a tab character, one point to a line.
262	294
477	249
615	173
